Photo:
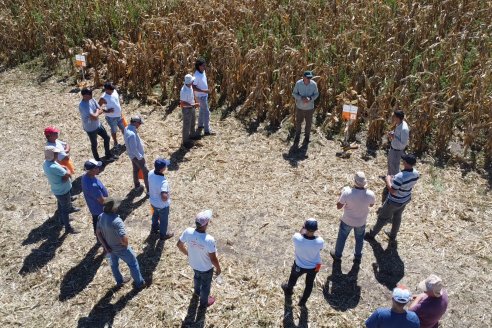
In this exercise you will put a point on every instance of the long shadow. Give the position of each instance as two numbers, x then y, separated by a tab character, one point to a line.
150	257
80	275
195	316
295	154
176	158
389	269
49	231
288	321
76	186
344	293
128	206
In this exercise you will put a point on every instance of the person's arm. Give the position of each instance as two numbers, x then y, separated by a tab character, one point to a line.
182	247
415	305
341	201
164	196
132	145
66	176
215	262
403	137
315	94
124	241
340	206
103	241
95	116
296	93
389	182
100	200
196	88
186	104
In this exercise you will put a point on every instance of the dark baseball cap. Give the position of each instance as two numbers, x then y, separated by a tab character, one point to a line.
86	91
136	119
109	86
311	225
161	163
308	74
409	158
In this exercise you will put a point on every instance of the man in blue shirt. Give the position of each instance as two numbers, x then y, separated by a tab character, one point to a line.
94	190
396	316
135	150
61	186
400	192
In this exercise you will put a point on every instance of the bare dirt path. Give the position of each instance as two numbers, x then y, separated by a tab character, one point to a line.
260	197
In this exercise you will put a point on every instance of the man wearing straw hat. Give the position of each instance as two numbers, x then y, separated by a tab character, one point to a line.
187	101
94	190
111	99
135	150
60	182
399	138
355	202
431	305
159	198
113	237
307	261
201	251
396	316
305	93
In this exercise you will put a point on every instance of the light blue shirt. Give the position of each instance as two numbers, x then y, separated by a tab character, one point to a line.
401	136
307	251
55	172
157	185
134	146
302	90
85	109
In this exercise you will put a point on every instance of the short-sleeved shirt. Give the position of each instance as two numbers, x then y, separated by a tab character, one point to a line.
158	184
85	109
431	309
113	101
307	251
112	229
186	94
200	245
55	172
385	318
201	82
403	183
93	189
401	136
357	203
59	145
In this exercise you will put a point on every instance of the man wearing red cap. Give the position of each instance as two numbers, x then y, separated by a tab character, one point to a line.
63	157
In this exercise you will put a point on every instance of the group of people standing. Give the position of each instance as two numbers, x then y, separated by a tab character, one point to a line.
195	242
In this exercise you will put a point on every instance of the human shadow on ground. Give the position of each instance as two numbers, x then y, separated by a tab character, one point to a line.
80	275
150	257
389	269
76	186
195	316
49	231
177	157
288	321
128	206
296	154
344	293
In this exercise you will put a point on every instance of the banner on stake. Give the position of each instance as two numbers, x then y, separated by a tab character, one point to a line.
80	61
349	112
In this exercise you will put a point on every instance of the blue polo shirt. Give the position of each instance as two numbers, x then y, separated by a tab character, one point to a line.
93	189
55	173
385	318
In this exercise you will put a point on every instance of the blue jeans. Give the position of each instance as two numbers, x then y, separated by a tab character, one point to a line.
203	282
64	208
390	212
160	219
115	123
100	131
128	256
204	113
343	232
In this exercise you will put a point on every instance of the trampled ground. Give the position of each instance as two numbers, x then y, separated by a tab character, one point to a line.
260	196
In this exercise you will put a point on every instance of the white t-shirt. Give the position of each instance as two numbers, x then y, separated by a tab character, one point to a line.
356	207
186	94
113	101
61	146
200	82
307	251
157	184
200	245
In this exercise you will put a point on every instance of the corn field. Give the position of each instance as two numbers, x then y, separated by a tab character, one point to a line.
431	58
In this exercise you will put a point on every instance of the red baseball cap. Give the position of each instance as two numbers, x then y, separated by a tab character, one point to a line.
50	130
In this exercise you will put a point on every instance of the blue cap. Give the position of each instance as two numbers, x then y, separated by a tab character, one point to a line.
161	163
311	225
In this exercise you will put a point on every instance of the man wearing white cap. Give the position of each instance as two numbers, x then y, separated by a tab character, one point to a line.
396	316
61	186
94	191
432	303
355	202
187	102
201	251
307	248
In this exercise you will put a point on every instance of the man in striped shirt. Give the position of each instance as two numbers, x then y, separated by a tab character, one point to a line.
400	192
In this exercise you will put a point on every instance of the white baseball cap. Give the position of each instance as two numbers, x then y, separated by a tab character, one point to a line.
203	218
189	79
402	295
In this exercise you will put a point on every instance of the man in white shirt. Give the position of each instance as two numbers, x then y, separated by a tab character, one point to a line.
200	86
111	99
399	138
187	102
201	251
355	202
307	261
159	198
135	150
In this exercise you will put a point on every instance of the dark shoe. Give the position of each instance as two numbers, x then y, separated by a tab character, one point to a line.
368	237
139	187
74	198
142	286
302	303
154	231
72	231
334	256
388	233
197	137
286	289
166	237
210	133
74	210
357	260
187	144
125	281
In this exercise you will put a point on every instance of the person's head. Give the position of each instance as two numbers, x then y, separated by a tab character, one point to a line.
160	165
111	205
50	153
409	161
398	116
360	180
432	286
108	88
136	121
202	220
93	167
401	296
188	80
51	133
200	65
311	226
86	94
307	76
